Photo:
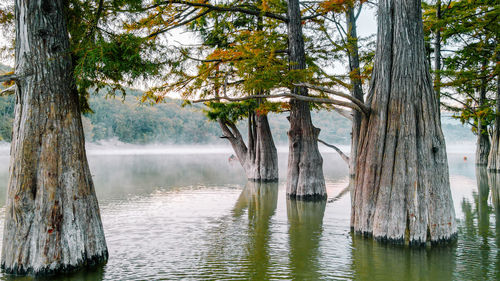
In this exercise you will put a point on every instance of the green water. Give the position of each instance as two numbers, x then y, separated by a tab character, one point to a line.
193	216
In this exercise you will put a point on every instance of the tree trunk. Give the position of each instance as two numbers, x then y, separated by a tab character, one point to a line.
437	56
494	155
305	179
357	91
260	158
52	220
483	139
402	190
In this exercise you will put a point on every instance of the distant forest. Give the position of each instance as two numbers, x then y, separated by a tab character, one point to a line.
129	121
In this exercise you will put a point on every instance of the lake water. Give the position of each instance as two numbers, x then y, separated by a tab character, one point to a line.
184	214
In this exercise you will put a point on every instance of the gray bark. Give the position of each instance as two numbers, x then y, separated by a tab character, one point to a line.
260	158
437	55
357	89
494	155
305	180
483	139
401	188
52	220
357	92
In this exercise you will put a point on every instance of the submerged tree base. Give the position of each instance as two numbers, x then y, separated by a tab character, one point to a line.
309	197
57	268
407	242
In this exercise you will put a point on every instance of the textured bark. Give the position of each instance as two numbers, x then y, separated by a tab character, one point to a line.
305	179
357	89
483	139
260	158
52	220
305	220
494	155
402	190
437	55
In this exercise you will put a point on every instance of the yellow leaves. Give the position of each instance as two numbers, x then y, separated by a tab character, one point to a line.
8	83
225	55
333	5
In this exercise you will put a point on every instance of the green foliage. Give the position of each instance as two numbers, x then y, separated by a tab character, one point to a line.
470	42
104	54
233	111
6	117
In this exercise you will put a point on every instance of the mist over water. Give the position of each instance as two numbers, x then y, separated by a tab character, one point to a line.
186	212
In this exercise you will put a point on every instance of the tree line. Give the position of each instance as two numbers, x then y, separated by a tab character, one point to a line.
250	58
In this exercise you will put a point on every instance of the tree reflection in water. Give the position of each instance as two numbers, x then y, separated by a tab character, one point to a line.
261	200
305	220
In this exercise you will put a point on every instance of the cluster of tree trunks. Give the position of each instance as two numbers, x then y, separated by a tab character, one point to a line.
52	221
260	158
399	163
401	188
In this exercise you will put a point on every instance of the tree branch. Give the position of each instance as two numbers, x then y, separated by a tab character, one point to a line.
285	95
227	9
342	154
8	91
181	23
359	103
343	112
9	77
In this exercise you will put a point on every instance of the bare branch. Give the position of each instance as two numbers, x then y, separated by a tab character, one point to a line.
9	77
8	91
227	9
359	103
286	95
342	154
344	113
181	23
340	195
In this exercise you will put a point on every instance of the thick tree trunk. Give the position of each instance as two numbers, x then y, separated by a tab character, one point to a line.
260	158
305	179
52	220
483	139
402	190
494	155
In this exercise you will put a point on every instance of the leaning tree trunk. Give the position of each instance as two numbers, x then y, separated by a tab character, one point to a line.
483	139
305	179
260	158
357	89
494	155
402	190
52	220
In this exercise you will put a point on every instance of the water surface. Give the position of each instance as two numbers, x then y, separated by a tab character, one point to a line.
178	215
